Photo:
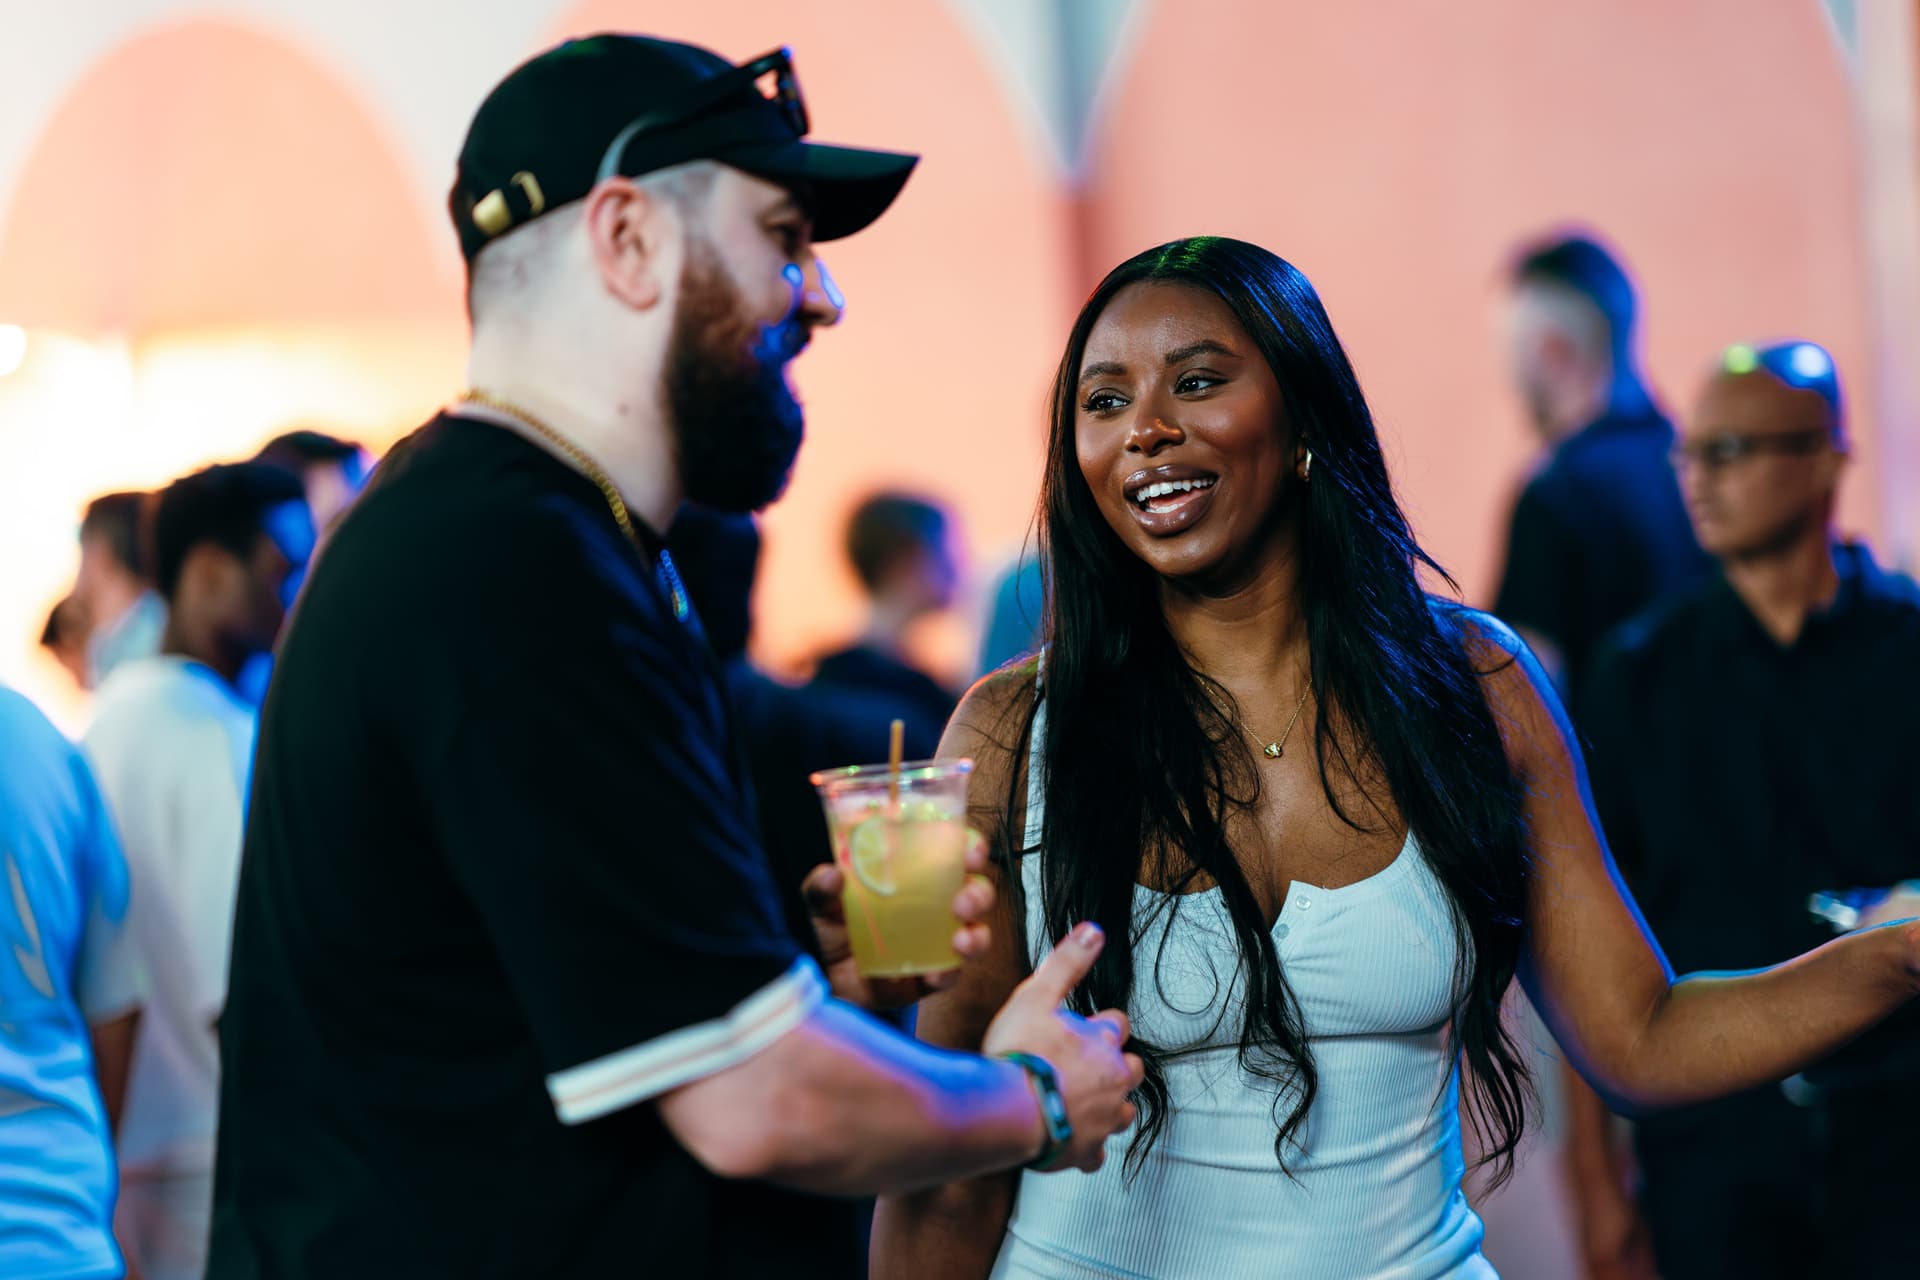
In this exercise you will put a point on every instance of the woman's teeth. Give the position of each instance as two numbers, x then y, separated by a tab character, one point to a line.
1167	488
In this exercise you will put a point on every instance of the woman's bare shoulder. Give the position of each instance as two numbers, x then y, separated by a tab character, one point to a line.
993	715
991	728
1518	690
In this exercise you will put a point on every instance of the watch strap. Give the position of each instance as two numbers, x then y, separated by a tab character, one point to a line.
1053	1107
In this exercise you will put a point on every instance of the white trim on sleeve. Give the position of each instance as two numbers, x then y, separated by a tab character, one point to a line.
621	1079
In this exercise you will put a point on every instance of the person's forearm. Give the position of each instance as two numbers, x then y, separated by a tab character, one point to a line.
1589	1159
880	1113
112	1062
1715	1034
842	1106
946	1233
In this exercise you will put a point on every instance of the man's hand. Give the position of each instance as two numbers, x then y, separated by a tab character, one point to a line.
1086	1054
970	909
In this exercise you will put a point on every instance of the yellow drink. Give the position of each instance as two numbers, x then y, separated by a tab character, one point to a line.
903	862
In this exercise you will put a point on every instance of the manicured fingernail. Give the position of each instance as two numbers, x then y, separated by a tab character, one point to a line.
1087	935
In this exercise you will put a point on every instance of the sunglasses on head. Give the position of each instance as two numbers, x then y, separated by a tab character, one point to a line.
717	95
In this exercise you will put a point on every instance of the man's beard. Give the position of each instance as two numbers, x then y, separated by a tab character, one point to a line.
737	427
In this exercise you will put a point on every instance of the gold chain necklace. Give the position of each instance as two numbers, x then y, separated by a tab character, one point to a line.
583	463
1274	750
574	454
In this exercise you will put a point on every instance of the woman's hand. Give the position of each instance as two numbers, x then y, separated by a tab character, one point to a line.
1901	903
971	906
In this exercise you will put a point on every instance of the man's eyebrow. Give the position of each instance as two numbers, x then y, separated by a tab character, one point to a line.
787	204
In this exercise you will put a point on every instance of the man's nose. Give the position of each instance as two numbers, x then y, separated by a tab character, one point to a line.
817	298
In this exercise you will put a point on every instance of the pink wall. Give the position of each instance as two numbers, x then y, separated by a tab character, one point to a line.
212	174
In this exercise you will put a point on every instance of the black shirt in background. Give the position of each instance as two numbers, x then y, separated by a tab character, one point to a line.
791	733
1598	534
911	694
1735	777
497	832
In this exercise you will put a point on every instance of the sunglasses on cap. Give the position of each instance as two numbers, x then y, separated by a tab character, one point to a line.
718	95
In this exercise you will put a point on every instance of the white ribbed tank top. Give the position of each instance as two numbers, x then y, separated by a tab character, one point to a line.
1375	1189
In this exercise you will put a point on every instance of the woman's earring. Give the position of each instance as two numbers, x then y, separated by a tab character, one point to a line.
1306	467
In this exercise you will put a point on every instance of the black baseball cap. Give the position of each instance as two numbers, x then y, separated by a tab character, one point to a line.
625	104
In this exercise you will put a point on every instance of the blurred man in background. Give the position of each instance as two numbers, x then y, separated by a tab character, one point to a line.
905	553
333	470
114	588
1751	747
172	742
65	638
69	1006
1598	531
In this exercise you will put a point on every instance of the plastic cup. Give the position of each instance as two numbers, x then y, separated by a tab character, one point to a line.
903	858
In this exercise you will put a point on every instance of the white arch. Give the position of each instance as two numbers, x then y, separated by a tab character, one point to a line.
419	67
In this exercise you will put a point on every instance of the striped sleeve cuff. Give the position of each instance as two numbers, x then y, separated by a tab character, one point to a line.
621	1079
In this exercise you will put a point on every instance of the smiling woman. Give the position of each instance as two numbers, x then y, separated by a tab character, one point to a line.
1312	946
1174	396
1213	361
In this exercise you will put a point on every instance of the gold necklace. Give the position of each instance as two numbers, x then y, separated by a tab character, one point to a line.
1274	750
574	454
663	565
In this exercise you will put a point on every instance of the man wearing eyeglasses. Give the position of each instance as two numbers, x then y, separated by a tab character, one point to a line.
512	993
1751	748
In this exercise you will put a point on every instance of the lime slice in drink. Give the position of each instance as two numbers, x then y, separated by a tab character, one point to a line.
870	850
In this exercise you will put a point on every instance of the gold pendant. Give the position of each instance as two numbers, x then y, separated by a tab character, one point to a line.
1272	750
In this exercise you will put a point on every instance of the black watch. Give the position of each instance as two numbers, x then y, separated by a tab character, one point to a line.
1053	1107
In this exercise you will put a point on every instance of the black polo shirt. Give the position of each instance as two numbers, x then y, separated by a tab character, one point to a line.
1735	777
501	888
1598	533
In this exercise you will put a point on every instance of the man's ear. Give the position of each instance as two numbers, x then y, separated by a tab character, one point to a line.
1832	464
634	238
209	572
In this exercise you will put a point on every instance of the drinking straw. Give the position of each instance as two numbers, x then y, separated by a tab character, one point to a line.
896	743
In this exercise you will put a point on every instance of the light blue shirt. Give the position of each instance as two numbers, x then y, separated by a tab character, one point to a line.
64	963
1015	619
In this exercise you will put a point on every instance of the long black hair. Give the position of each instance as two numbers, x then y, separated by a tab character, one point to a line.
1389	665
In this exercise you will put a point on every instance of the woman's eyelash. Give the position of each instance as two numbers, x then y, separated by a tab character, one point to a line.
1101	400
